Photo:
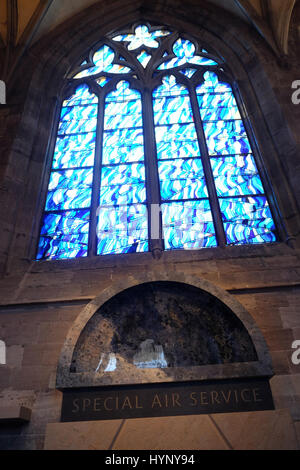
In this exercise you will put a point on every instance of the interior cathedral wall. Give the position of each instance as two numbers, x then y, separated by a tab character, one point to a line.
39	301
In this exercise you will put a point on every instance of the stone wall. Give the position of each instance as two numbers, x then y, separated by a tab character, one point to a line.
40	301
36	325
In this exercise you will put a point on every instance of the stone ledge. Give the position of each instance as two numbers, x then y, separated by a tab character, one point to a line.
15	415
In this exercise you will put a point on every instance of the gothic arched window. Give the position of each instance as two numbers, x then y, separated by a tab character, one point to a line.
152	152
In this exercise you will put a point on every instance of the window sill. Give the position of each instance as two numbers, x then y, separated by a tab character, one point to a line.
174	256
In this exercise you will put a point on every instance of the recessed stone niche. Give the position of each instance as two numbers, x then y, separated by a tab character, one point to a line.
161	325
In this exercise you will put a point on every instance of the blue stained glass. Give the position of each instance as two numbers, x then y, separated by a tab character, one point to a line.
123	194
122	94
183	189
122	229
82	96
212	84
67	223
75	127
70	189
75	119
123	121
216	100
122	244
236	176
182	179
234	185
226	138
177	149
124	109
115	152
180	169
188	225
247	220
64	235
176	132
169	88
122	219
78	113
235	165
185	54
102	81
188	72
172	110
73	159
103	60
220	113
62	247
141	37
75	143
183	48
123	138
125	115
122	174
144	58
78	116
172	107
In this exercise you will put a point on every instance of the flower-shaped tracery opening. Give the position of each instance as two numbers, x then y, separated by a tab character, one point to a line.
142	37
103	61
184	51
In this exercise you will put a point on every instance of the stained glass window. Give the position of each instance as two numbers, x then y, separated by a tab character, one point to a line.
150	118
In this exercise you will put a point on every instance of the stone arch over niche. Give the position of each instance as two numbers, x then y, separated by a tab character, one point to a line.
111	339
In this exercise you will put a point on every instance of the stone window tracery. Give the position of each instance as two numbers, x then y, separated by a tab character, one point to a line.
152	152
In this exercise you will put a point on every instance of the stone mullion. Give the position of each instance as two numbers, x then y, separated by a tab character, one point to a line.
152	178
209	177
93	239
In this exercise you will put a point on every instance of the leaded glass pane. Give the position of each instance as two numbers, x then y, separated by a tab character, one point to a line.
188	72
64	232
123	220
245	219
81	97
236	176
188	225
144	58
123	229
180	178
226	137
64	235
124	184
69	189
123	145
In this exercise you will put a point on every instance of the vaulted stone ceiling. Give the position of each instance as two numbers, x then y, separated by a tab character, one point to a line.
23	22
